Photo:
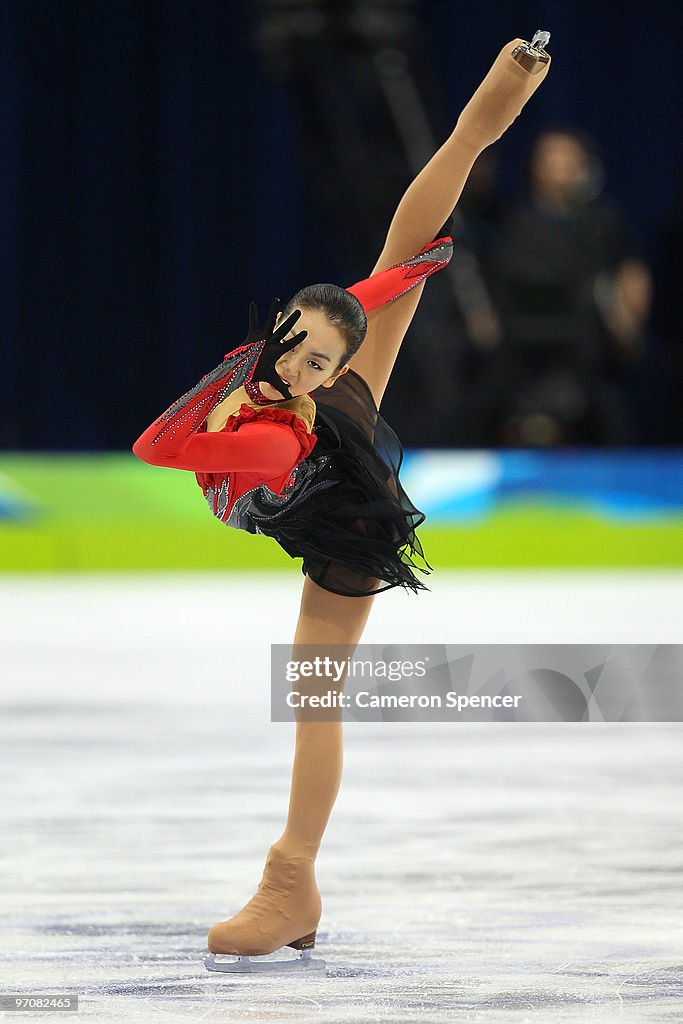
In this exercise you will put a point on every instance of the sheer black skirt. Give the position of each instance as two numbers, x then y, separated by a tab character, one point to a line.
353	524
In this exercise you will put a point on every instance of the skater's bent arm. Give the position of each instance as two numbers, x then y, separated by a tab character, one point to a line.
432	196
267	448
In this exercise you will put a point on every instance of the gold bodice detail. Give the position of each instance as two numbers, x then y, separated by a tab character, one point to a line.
302	406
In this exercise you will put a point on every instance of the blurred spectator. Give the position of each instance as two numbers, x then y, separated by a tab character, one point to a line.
573	296
668	320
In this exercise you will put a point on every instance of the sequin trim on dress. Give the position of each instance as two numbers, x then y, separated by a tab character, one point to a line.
303	482
235	369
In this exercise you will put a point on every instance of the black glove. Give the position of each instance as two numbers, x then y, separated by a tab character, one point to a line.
274	347
254	359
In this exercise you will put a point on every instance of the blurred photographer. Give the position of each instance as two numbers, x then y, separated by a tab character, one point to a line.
573	298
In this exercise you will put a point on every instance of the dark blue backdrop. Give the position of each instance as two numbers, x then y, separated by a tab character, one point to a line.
150	187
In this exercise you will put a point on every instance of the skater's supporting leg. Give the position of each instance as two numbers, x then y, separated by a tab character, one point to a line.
324	619
287	905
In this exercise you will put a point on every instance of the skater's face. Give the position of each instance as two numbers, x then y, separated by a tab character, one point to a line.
314	361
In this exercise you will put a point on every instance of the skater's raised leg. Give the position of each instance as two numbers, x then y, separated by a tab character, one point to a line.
430	199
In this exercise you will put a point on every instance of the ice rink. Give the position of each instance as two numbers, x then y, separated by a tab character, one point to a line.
478	872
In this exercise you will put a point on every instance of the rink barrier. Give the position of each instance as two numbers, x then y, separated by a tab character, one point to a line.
566	508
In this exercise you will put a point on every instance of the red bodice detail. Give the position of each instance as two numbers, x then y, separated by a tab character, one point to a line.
239	482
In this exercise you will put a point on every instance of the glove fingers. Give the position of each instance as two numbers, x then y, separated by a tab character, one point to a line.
290	343
282	388
253	320
275	307
286	325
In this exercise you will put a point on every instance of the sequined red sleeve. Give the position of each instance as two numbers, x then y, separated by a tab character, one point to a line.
387	285
268	448
269	444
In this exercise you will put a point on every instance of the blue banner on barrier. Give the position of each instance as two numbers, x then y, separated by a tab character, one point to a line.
621	485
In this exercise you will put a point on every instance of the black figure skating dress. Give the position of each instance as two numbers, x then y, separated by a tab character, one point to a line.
319	474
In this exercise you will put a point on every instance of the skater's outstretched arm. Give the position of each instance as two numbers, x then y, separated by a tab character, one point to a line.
432	196
266	448
177	438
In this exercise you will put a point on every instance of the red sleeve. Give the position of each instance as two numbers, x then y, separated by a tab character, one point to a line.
266	447
387	285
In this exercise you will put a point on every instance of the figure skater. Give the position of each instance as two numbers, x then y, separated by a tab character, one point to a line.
286	440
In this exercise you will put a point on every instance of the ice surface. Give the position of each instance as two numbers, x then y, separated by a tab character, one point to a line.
482	872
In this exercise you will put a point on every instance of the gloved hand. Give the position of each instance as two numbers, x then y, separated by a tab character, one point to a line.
254	359
274	346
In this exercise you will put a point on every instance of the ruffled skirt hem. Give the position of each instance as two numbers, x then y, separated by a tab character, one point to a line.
355	531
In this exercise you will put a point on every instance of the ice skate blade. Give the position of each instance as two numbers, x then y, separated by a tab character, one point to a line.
254	965
532	56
